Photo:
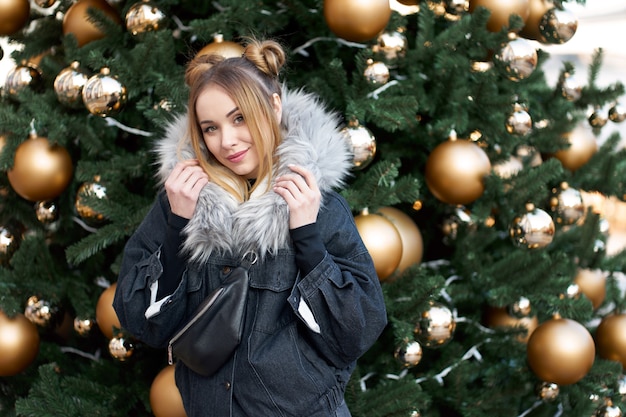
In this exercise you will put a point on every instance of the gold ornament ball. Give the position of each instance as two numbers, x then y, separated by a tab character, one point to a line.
533	230
357	20
227	49
165	399
617	113
21	77
519	122
536	10
144	16
78	22
611	338
13	16
392	46
558	26
105	314
11	235
572	87
86	191
409	354
68	85
455	171
121	348
83	326
561	351
41	170
499	317
567	204
42	312
362	143
582	146
517	59
103	94
376	73
436	326
19	344
410	235
592	283
501	10
382	240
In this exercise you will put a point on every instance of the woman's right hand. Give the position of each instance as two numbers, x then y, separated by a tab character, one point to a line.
183	187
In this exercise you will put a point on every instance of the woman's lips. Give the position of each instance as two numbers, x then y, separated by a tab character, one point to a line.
237	157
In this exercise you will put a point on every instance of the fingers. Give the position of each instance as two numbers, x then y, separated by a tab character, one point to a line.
183	186
301	193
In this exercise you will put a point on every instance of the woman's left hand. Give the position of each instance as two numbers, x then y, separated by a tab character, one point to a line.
302	195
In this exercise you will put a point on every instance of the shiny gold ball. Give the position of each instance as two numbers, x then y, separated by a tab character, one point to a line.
19	344
608	410
548	391
47	212
144	16
11	236
519	122
592	283
536	10
121	348
436	326
382	240
13	16
617	113
598	118
499	317
89	190
376	73
357	20
41	170
501	11
517	59
582	146
227	49
567	204
558	26
392	46
410	235
455	171
165	399
508	168
611	338
68	85
103	94
21	77
43	313
572	87
83	326
105	314
533	230
78	22
409	354
362	143
561	351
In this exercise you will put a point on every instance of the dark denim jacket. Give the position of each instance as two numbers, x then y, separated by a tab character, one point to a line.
282	367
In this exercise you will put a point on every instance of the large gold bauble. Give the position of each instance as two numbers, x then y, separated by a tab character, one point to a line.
165	399
501	10
78	22
21	77
144	16
103	94
13	16
558	26
592	283
583	146
382	240
412	242
499	317
536	10
455	171
227	49
41	170
611	338
19	344
436	325
105	314
533	230
68	85
561	351
357	20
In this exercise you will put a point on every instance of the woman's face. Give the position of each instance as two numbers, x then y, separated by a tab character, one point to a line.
225	132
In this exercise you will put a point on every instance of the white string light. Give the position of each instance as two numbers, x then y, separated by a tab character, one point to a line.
301	49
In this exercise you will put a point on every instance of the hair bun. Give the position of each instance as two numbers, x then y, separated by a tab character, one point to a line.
200	64
268	56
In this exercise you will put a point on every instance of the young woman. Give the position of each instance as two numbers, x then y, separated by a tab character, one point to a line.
252	167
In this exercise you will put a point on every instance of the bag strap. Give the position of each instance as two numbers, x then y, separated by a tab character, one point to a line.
248	259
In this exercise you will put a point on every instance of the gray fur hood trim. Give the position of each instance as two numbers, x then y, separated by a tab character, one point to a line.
220	224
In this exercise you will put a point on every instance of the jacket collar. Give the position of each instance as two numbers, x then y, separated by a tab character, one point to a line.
220	224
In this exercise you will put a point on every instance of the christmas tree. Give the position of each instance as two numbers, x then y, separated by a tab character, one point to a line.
494	214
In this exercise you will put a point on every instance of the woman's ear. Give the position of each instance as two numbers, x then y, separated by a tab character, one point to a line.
278	106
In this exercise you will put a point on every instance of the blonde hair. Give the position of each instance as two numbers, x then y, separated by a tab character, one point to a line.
251	81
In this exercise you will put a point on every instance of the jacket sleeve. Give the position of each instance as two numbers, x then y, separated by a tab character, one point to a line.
139	274
342	292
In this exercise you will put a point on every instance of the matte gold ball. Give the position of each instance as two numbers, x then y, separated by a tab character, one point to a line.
105	314
501	10
357	20
382	240
583	146
412	242
41	170
536	10
499	317
13	16
592	283
19	343
455	171
219	46
165	399
611	338
561	351
78	22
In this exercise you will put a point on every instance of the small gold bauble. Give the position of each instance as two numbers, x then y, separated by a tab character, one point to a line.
165	399
598	118
47	212
517	59
533	230
13	16
382	240
499	317
558	26
536	10
436	326
357	20
83	326
41	170
617	113
78	21
409	354
519	122
561	351
508	168
592	283
11	235
567	204
571	87
103	94
392	46
144	16
548	391
501	11
412	242
227	49
19	344
362	143
608	410
87	191
121	348
105	314
455	171
611	338
42	312
582	146
68	85
21	77
376	73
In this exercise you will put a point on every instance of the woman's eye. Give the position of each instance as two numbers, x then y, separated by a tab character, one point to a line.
209	129
239	119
